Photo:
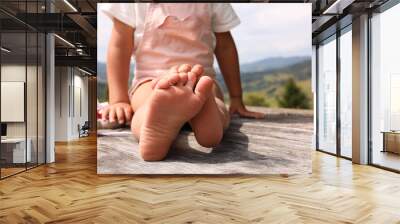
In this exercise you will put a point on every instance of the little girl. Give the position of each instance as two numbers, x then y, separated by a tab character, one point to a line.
174	46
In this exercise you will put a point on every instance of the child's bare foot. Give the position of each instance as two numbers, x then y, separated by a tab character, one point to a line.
166	111
212	119
209	124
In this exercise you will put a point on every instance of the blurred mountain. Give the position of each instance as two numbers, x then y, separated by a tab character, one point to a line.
262	66
268	64
259	75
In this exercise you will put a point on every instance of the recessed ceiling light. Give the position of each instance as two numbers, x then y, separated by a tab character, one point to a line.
70	5
64	40
5	50
84	71
337	7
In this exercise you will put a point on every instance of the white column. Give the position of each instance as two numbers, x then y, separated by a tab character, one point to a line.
50	92
360	90
50	99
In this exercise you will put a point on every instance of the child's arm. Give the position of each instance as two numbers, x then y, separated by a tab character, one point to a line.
227	57
118	63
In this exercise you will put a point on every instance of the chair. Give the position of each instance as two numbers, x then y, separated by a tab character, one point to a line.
84	130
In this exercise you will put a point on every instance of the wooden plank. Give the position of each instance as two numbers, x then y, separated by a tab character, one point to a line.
280	144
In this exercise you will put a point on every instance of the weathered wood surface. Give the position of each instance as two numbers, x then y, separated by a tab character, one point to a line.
70	191
280	144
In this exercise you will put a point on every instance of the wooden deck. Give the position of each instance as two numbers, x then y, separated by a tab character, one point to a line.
280	144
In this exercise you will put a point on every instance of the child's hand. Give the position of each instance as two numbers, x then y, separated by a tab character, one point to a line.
237	107
121	112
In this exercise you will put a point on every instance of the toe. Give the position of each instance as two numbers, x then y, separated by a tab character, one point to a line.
198	70
184	68
192	78
183	76
173	79
163	83
204	88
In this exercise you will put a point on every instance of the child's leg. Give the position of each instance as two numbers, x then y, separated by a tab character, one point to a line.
160	113
212	120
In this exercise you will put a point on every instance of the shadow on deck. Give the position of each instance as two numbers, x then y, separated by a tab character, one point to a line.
279	144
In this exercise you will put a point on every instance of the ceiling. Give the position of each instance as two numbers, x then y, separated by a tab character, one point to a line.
74	22
332	15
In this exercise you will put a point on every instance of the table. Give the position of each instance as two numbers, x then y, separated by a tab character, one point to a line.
13	150
391	141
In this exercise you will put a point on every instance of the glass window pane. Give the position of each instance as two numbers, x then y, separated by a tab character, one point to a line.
32	86
31	97
23	85
327	96
386	89
14	153
41	98
346	94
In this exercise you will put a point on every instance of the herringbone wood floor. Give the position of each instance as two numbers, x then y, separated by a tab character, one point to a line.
70	191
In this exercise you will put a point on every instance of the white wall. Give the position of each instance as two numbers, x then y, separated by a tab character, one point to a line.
71	102
81	102
61	103
16	73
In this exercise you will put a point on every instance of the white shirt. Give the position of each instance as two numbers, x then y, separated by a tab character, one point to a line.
133	14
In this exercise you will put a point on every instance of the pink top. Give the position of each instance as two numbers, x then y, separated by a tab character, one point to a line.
174	34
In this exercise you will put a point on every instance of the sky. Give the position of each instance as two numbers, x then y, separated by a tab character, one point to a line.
266	30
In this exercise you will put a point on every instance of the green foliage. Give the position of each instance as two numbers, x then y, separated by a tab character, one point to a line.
255	99
102	91
293	96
